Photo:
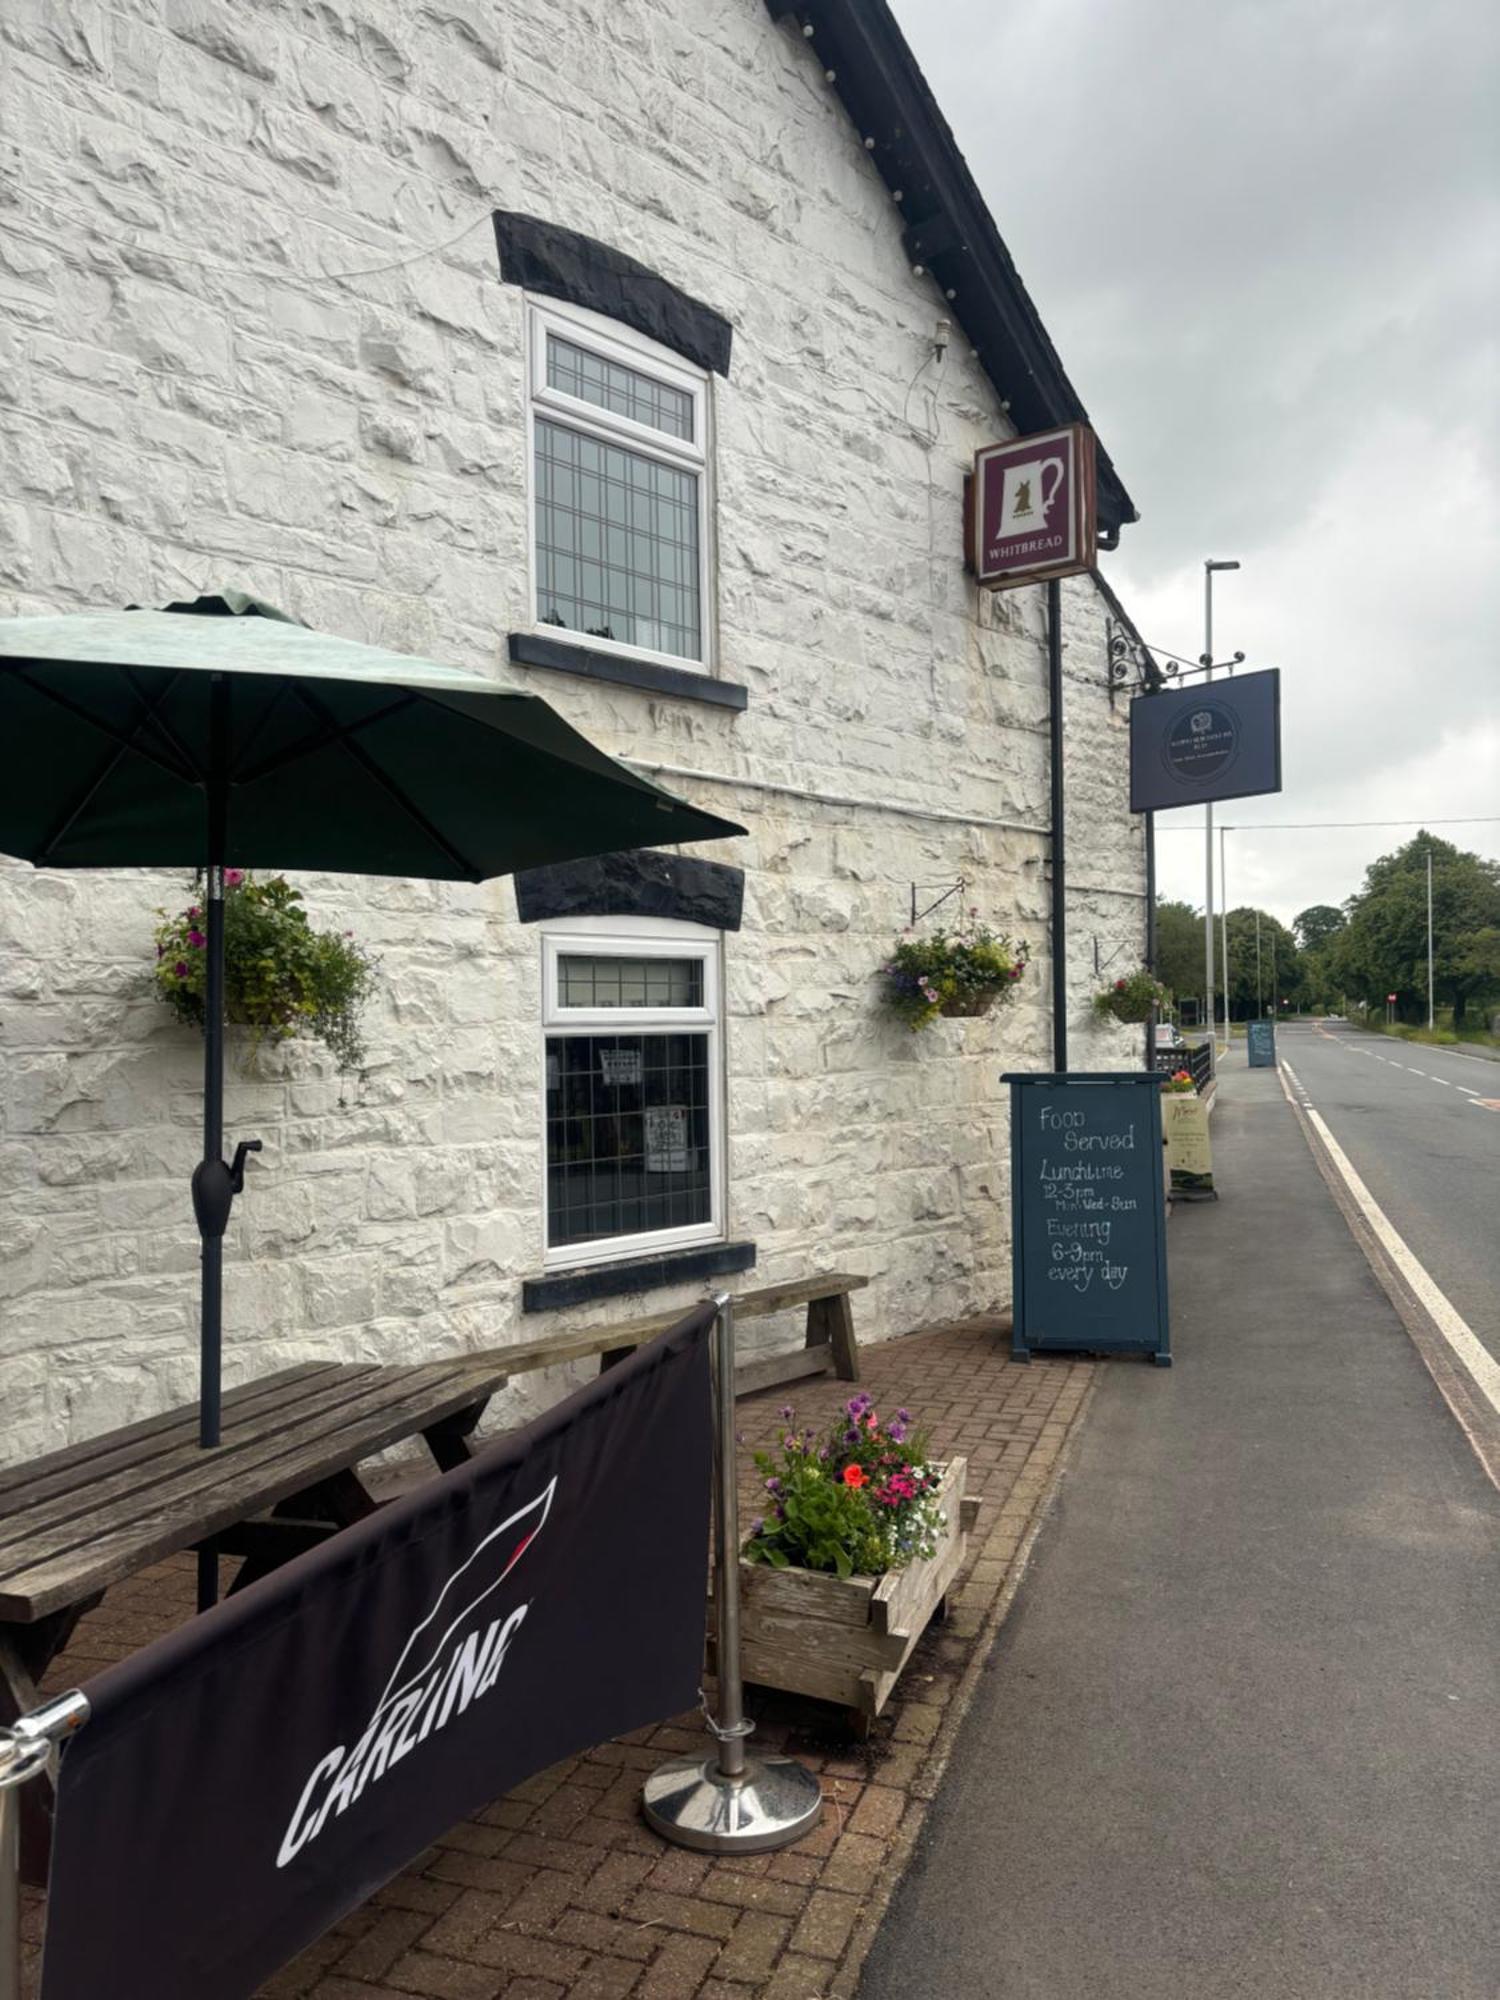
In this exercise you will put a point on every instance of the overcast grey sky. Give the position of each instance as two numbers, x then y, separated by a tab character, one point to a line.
1265	237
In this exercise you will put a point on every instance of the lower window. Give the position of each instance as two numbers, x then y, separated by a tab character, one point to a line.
632	1090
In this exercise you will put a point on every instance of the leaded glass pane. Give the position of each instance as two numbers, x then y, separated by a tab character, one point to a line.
608	981
617	543
612	386
627	1135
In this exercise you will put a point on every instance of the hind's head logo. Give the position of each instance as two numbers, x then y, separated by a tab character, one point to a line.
1202	722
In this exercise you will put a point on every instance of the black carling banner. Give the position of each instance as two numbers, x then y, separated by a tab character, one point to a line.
246	1780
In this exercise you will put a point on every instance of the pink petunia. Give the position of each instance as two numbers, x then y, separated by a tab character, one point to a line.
197	939
180	968
233	877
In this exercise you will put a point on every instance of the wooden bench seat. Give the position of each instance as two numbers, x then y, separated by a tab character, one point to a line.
283	1478
830	1346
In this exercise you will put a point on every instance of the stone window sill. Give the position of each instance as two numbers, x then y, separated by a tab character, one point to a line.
562	656
642	1274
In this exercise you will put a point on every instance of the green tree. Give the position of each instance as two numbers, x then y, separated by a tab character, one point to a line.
1383	947
1317	926
1317	930
1179	949
1282	968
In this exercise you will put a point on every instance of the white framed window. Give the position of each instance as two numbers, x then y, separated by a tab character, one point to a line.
634	1087
620	468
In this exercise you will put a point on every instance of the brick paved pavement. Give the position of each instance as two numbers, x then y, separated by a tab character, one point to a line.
559	1892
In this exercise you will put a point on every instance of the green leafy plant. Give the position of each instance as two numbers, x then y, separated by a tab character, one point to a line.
855	1500
963	971
1131	998
282	978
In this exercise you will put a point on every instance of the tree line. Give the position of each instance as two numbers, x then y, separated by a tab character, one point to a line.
1375	945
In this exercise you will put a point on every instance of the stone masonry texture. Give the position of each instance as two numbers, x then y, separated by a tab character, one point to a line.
559	1891
253	333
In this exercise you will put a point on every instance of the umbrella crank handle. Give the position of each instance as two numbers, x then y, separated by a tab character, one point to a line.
215	1185
237	1165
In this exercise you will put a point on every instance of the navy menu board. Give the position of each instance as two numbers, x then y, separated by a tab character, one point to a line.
1088	1214
1260	1038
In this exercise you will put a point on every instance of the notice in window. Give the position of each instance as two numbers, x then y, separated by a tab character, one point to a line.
667	1148
620	1066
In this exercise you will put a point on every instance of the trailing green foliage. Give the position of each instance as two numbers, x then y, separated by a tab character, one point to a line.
964	971
1130	998
281	977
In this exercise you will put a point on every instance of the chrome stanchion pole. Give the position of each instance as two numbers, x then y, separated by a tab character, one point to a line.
25	1749
729	1802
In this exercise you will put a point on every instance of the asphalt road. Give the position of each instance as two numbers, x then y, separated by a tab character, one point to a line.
1415	1124
1236	1740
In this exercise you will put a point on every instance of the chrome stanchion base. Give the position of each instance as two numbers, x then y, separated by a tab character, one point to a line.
773	1802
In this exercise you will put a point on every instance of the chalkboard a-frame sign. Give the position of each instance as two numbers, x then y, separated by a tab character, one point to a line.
1088	1215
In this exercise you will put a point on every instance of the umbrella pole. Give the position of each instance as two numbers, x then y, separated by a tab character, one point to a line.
215	1184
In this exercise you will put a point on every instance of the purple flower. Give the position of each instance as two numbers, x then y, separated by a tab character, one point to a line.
233	877
786	1413
180	968
197	939
903	1416
773	1485
757	1525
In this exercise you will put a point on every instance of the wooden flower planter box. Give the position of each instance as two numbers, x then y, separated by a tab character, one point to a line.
846	1641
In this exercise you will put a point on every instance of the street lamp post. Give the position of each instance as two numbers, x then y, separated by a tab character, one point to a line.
1431	1011
1224	929
1208	812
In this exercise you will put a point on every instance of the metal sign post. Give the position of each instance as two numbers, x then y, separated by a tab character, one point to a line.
25	1749
730	1802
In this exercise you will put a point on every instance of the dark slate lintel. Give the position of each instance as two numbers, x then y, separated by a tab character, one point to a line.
531	649
645	1274
640	882
561	264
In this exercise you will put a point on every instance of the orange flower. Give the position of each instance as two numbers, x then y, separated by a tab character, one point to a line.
854	1475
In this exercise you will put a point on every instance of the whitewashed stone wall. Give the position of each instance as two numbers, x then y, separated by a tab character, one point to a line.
206	378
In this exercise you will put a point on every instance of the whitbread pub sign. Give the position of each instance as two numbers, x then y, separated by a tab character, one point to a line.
1032	508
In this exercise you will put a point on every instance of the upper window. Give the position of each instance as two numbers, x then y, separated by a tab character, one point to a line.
634	1087
620	471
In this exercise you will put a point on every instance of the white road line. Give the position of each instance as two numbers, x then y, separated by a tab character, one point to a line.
1417	1072
1464	1342
1466	1090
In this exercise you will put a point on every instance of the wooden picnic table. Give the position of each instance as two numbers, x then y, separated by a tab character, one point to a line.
285	1476
283	1479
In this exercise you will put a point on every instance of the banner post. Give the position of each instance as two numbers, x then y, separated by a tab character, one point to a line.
24	1752
729	1803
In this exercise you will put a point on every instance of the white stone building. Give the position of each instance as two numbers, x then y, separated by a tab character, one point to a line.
255	330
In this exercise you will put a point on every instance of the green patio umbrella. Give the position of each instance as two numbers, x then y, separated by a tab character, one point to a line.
223	733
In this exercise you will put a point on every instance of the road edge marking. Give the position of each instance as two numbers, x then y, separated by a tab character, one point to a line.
1420	1303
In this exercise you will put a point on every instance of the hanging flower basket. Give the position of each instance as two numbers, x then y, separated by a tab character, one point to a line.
1179	1083
281	977
1130	999
963	1006
958	974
